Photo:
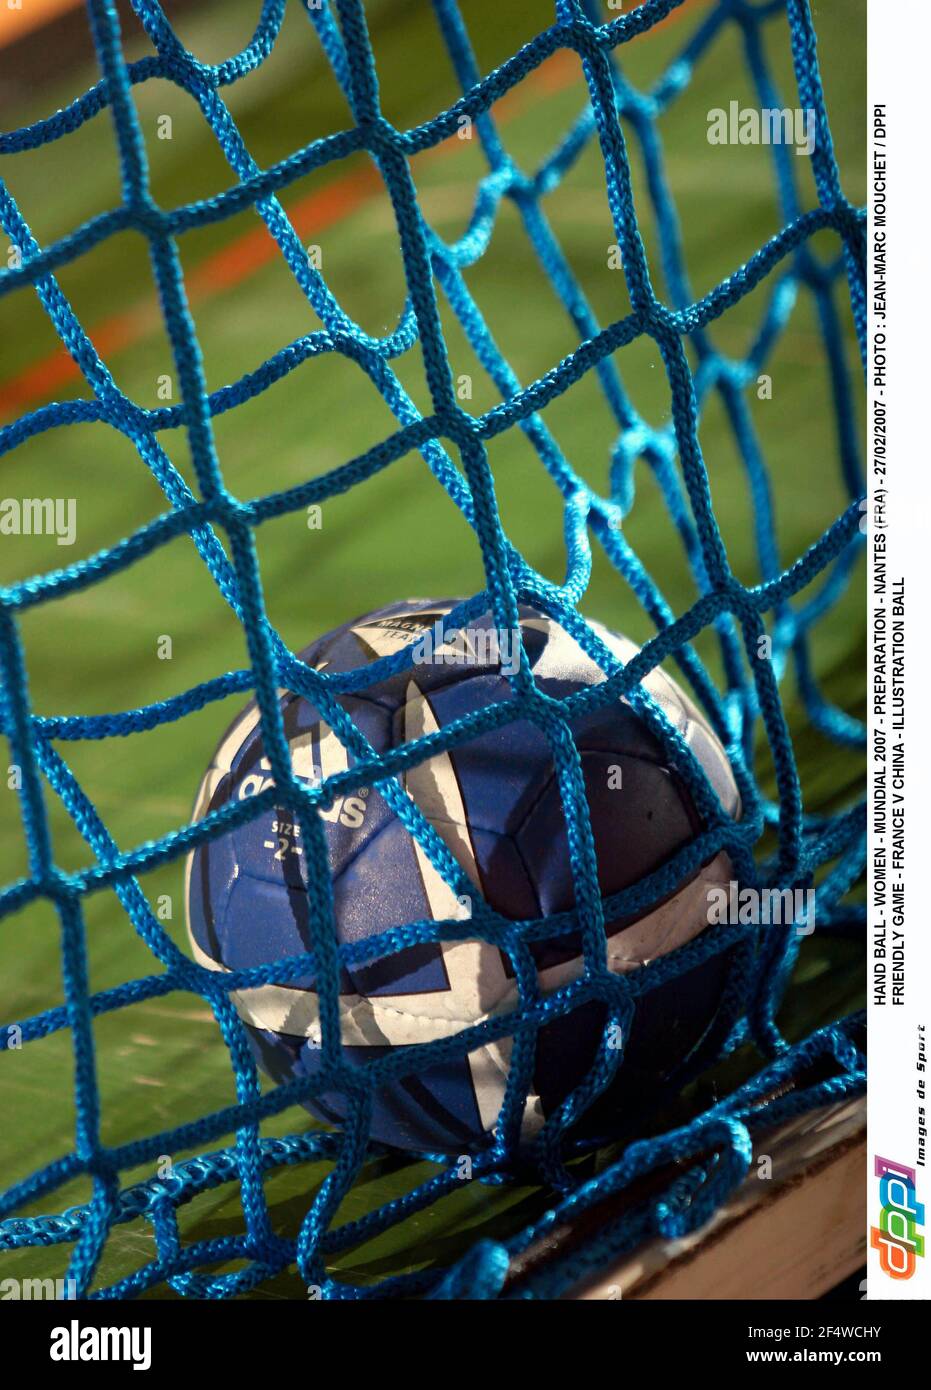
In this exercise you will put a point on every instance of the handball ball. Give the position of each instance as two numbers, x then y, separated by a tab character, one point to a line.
495	802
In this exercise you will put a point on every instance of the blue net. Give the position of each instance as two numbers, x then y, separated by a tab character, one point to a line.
776	843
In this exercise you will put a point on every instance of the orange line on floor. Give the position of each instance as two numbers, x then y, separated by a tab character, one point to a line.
249	252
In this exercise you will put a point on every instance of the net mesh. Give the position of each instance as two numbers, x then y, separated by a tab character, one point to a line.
715	1147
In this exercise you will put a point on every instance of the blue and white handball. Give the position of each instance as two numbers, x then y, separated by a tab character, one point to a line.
495	802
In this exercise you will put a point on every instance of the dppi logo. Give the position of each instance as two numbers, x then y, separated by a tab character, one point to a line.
896	1237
